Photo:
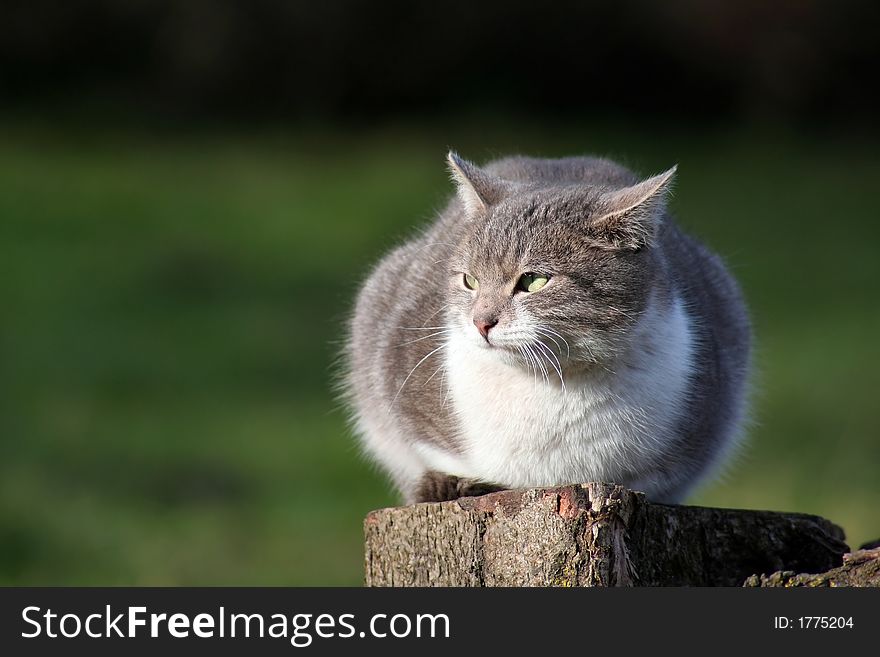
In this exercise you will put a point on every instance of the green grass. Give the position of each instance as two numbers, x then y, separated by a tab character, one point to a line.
173	303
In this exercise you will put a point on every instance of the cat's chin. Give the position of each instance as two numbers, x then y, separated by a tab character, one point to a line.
506	353
499	347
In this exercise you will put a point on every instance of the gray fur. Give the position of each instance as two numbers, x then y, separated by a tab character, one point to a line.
618	267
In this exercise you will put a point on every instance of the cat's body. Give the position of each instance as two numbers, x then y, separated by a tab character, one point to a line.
627	364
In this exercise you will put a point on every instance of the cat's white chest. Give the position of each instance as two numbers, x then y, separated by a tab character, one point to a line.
520	432
524	432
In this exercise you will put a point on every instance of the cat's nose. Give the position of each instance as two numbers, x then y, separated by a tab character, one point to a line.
483	326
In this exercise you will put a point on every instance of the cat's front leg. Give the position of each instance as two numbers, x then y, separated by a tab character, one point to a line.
440	487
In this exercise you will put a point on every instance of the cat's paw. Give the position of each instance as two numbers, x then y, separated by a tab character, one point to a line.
440	487
474	488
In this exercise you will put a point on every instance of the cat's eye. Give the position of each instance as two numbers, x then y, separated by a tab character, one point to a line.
470	282
531	282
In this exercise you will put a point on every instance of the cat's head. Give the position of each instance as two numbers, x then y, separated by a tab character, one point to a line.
553	271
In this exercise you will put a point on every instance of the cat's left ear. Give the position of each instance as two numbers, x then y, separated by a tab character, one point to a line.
628	218
476	188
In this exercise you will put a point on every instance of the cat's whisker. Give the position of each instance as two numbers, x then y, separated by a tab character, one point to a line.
534	363
544	369
552	339
448	389
551	358
424	358
552	335
424	328
454	248
539	361
558	335
434	314
425	279
593	358
424	337
433	375
624	313
540	356
528	362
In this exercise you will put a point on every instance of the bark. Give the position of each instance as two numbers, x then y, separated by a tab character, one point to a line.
588	535
860	568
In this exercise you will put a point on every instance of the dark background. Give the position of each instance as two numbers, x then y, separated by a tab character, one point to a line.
790	60
191	192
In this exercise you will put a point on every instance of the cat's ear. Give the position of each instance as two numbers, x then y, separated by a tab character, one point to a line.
476	188
628	218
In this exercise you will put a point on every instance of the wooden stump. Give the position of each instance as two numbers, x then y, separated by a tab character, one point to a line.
860	568
588	535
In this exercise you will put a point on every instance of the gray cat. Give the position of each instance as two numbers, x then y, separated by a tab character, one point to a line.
552	326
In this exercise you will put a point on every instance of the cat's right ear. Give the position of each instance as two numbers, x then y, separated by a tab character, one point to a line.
628	218
476	188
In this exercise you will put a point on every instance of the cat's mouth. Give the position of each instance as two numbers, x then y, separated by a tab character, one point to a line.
499	342
501	345
498	346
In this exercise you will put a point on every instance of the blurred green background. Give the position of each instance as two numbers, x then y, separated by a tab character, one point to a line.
175	287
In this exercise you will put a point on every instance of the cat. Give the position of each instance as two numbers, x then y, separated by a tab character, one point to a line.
552	326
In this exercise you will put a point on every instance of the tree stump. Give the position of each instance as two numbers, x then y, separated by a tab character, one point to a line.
588	535
860	568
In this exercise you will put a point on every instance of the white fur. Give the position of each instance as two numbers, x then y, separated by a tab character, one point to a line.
382	441
523	431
